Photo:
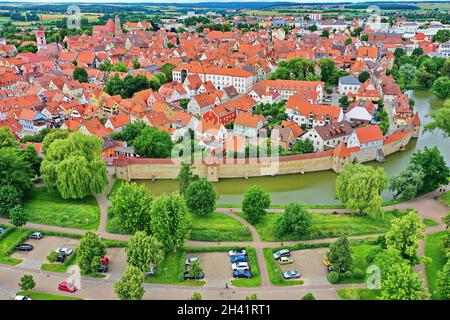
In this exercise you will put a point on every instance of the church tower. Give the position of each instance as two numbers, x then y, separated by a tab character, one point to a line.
40	37
118	26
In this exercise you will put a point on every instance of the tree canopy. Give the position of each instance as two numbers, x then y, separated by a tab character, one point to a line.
130	286
295	222
80	74
200	197
255	203
89	253
143	250
433	165
153	143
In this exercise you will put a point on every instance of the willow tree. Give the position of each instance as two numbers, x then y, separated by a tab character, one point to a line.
74	166
359	188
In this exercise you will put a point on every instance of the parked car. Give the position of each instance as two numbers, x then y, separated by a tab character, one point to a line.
242	274
240	266
286	260
103	268
67	287
151	272
282	253
104	261
36	236
190	261
61	257
237	252
67	251
188	276
22	298
291	274
238	258
24	247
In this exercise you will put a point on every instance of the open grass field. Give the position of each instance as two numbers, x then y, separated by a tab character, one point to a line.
36	295
434	251
47	207
9	240
358	294
326	225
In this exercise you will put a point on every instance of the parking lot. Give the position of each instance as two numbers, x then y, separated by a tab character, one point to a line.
310	264
117	262
36	257
216	266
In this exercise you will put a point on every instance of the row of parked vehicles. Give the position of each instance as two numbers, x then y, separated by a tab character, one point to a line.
239	263
284	257
26	246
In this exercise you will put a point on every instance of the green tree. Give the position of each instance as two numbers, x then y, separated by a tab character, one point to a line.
442	36
432	164
171	223
344	102
28	48
195	269
386	259
200	197
167	69
303	146
30	156
130	132
308	296
364	37
407	183
80	74
131	205
7	139
359	188
363	76
255	203
9	198
340	254
17	216
441	87
52	136
136	64
408	74
90	252
253	296
313	28
404	236
325	34
186	177
328	71
14	171
417	52
143	250
441	120
27	282
296	222
120	67
443	282
74	166
153	143
402	283
130	286
196	296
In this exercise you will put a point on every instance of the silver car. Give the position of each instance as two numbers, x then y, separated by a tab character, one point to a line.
291	274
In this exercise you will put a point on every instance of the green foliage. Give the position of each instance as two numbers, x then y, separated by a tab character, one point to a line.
9	198
358	274
15	171
303	146
143	250
28	48
167	69
253	296
130	132
442	36
27	282
80	74
132	204
255	203
30	156
153	143
7	139
17	216
405	234
170	221
200	197
333	277
89	253
130	286
295	221
195	269
186	177
408	73
127	87
340	253
441	120
359	188
325	33
434	167
328	71
344	102
196	296
441	87
407	183
443	281
74	166
52	256
308	296
295	69
52	136
363	76
136	64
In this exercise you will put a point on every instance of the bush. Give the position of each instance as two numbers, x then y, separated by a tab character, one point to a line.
348	274
333	277
52	257
358	274
370	258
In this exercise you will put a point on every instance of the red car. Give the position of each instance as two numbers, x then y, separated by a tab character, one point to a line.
104	261
67	287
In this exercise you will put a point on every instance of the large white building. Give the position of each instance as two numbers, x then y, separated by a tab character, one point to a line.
222	78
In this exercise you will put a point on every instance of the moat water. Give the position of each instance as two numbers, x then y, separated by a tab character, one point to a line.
318	187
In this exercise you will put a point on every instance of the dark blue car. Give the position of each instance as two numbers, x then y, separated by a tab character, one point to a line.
238	258
242	274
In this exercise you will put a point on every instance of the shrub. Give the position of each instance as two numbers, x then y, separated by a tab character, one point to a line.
52	257
370	258
333	277
358	274
348	274
308	296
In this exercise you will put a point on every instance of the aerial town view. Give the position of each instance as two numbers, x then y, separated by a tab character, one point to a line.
201	150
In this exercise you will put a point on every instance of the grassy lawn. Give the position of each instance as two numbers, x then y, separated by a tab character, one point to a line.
358	294
36	295
429	223
115	187
170	271
433	250
274	271
46	207
9	240
60	267
327	225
